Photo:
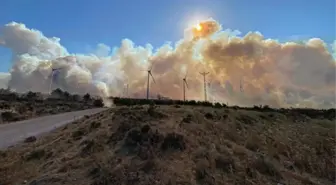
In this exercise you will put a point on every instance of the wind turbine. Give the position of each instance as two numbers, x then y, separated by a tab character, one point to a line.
126	90
205	86
241	86
185	85
149	73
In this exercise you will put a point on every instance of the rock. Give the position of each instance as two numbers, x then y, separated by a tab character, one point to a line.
30	139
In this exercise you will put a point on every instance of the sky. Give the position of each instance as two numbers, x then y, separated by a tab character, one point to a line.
82	24
279	53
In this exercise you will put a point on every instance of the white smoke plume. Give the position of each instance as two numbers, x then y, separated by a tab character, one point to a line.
4	78
243	70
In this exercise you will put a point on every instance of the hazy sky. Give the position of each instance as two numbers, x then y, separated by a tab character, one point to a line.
82	24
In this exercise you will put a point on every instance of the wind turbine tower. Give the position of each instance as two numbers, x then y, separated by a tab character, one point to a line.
185	85
205	89
126	90
241	86
149	73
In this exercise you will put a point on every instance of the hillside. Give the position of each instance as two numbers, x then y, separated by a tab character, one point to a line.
175	145
16	107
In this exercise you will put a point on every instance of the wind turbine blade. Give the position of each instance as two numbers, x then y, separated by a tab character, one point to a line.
151	66
185	81
150	73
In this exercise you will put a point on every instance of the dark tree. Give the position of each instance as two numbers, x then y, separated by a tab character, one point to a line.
66	95
76	97
87	97
58	92
98	103
31	95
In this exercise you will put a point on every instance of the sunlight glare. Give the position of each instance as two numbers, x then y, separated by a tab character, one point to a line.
198	27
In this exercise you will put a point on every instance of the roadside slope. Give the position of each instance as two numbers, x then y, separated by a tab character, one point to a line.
178	145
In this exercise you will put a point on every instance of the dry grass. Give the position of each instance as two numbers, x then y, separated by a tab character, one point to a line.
172	145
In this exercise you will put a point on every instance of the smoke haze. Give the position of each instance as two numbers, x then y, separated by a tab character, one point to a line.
244	70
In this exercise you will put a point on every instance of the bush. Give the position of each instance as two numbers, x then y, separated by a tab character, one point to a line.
9	96
22	109
57	93
129	102
87	97
66	95
98	103
218	105
10	116
75	97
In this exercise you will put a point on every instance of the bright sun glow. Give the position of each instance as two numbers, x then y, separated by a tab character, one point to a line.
198	27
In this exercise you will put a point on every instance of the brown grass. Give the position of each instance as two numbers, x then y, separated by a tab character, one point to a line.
172	145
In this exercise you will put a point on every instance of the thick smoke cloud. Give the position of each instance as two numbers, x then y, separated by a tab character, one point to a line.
4	78
243	70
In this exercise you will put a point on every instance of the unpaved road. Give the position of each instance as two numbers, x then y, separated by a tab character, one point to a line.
15	132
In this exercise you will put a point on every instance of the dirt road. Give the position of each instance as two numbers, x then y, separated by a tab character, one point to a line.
15	132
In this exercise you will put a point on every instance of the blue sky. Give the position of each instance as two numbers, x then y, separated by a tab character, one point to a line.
82	24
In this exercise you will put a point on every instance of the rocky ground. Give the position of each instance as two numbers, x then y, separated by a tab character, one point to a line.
16	107
178	145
